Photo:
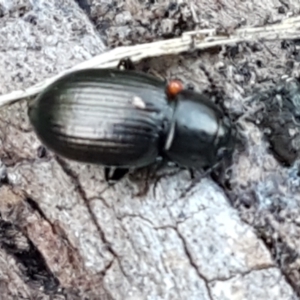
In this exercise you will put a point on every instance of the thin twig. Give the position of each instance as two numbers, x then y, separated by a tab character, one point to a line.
195	40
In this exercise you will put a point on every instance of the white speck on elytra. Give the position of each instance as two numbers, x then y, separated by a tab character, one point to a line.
138	102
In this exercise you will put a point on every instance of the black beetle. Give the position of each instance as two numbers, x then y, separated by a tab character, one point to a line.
126	119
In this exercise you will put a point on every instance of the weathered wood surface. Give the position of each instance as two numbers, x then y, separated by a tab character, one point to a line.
65	234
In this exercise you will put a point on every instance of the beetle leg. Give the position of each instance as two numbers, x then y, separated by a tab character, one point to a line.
126	64
192	173
113	175
196	177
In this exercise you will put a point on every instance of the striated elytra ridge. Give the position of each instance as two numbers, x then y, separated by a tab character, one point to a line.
104	116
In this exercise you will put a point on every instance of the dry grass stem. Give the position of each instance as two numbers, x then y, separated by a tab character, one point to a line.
195	40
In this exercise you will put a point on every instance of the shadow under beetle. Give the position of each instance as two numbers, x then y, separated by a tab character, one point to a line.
123	119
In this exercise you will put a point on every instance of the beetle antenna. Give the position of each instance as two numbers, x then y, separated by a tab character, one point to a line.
217	91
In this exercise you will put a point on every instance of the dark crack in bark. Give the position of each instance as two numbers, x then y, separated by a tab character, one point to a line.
77	184
192	263
278	249
27	216
30	261
243	274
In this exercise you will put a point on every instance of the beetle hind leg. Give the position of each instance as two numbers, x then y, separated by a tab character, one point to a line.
112	175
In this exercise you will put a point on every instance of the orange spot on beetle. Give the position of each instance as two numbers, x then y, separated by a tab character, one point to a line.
174	87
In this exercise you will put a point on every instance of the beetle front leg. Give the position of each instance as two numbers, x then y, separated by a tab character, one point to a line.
112	175
126	64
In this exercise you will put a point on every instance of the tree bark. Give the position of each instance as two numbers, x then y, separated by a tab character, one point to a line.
66	234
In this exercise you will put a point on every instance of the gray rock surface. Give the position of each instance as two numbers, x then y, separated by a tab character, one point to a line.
65	233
